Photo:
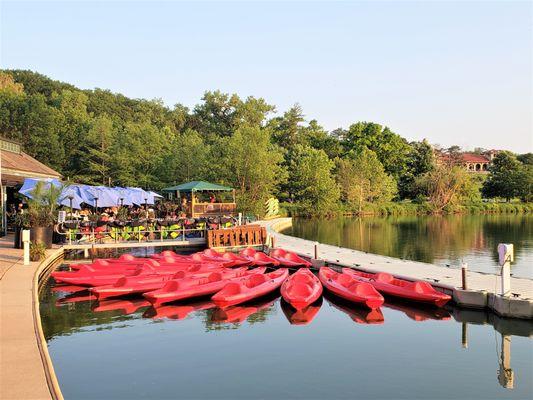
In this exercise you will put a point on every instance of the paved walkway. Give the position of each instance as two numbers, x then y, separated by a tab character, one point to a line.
22	374
522	288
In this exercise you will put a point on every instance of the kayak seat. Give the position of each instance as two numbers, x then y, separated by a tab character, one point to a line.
384	277
230	289
300	278
171	286
421	287
256	280
345	280
300	289
215	277
180	275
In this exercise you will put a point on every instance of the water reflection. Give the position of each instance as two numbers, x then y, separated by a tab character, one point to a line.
178	312
359	314
125	306
417	312
301	317
66	313
433	239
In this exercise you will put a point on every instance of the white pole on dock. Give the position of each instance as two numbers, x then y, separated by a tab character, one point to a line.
26	246
506	256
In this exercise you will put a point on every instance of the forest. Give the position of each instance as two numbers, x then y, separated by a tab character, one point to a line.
104	138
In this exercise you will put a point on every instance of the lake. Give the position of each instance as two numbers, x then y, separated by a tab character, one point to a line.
443	240
126	349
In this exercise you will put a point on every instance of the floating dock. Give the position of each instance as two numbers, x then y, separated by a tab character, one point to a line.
482	289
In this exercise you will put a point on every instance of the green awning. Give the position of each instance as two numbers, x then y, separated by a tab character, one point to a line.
197	186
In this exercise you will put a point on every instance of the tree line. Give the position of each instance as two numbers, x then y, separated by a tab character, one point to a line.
100	137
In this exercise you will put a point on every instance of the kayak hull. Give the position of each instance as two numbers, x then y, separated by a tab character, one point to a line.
349	288
418	291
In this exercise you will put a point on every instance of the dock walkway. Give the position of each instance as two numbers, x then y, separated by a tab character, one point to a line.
22	371
482	288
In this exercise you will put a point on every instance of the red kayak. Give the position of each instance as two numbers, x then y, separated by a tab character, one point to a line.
181	311
288	259
301	289
250	288
106	279
87	271
142	284
349	288
195	287
303	316
386	283
258	257
128	306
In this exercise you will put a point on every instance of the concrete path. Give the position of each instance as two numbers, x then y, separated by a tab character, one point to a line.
488	284
22	375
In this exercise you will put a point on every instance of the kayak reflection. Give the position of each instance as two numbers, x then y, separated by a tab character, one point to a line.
127	306
359	314
240	313
178	311
76	298
301	317
418	312
68	289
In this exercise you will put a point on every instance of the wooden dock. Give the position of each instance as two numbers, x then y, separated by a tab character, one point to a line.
482	288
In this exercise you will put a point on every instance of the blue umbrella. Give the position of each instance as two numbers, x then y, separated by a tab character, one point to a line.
31	183
70	196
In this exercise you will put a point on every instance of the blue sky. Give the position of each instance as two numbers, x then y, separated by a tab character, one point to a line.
452	72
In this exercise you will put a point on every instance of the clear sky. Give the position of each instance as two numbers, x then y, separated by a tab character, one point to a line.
452	72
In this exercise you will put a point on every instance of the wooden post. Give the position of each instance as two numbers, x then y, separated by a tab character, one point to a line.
273	242
316	250
192	204
464	271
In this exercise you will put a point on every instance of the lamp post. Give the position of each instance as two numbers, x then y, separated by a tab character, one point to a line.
146	207
122	202
70	198
96	204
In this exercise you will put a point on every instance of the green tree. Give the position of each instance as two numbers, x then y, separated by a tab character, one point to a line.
364	180
187	158
508	178
420	160
314	186
252	164
392	150
445	186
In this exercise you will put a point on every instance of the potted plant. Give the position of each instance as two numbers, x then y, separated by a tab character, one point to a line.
42	212
22	222
37	251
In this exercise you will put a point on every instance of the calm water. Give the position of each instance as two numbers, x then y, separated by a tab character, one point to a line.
441	240
124	349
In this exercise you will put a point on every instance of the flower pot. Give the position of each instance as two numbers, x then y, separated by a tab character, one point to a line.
42	234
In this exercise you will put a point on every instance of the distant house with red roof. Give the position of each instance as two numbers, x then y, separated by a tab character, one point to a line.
472	162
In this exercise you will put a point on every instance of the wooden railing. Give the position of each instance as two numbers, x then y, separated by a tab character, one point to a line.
211	209
245	235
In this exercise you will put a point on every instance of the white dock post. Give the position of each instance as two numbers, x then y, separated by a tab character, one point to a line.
26	246
506	256
85	253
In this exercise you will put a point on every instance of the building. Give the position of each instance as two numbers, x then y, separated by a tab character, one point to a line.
472	162
15	166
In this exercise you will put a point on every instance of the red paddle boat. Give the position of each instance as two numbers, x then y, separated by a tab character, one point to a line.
349	288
